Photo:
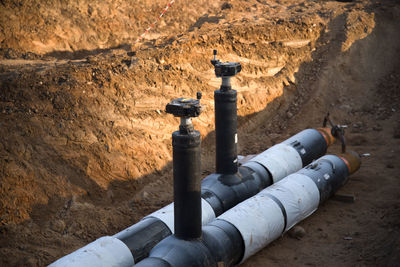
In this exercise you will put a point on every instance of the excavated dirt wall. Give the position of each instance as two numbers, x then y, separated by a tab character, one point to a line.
85	144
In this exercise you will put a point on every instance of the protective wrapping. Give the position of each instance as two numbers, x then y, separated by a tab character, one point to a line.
258	219
280	160
299	196
106	251
264	217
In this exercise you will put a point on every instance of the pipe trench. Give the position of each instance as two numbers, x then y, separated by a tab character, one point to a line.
196	205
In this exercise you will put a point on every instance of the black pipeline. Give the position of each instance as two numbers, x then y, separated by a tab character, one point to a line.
251	225
231	185
218	194
186	168
225	103
226	188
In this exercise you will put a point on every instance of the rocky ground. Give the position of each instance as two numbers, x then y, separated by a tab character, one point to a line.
85	144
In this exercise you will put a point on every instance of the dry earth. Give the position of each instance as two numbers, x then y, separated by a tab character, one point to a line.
85	145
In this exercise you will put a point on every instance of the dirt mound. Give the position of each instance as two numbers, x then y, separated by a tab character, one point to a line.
58	27
81	126
85	144
78	28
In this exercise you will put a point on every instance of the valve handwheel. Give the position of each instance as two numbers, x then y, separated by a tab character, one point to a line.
185	107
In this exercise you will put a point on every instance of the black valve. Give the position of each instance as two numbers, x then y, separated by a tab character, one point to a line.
186	166
225	103
337	131
185	107
225	69
215	60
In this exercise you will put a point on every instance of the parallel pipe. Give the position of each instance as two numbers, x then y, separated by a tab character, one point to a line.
219	194
230	185
226	130
187	199
225	103
251	225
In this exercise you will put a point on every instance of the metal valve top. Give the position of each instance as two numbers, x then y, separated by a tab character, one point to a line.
225	69
185	107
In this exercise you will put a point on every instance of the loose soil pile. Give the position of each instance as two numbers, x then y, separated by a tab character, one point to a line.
85	144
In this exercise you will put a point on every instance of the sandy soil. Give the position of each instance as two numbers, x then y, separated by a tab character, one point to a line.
85	144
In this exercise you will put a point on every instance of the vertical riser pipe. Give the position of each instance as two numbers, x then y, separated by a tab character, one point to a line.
226	131
187	195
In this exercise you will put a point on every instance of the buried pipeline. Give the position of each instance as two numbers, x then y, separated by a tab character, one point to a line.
218	193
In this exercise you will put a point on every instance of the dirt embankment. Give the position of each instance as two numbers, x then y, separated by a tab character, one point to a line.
60	28
82	127
85	144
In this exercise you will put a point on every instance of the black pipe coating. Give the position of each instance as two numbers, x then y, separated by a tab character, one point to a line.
223	192
334	174
187	197
224	242
220	245
144	236
225	101
179	253
309	143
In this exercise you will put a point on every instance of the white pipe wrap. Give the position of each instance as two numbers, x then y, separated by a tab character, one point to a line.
261	219
280	160
166	214
299	196
106	251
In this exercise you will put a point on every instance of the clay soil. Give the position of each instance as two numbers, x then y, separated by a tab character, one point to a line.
85	144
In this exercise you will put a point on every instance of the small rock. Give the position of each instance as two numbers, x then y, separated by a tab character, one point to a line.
57	226
390	166
347	238
144	195
226	5
204	37
289	114
297	232
110	194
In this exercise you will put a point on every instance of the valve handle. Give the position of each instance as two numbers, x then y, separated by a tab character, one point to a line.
214	61
337	130
185	107
225	69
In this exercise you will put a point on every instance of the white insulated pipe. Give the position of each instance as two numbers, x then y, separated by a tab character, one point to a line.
280	160
261	219
107	251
